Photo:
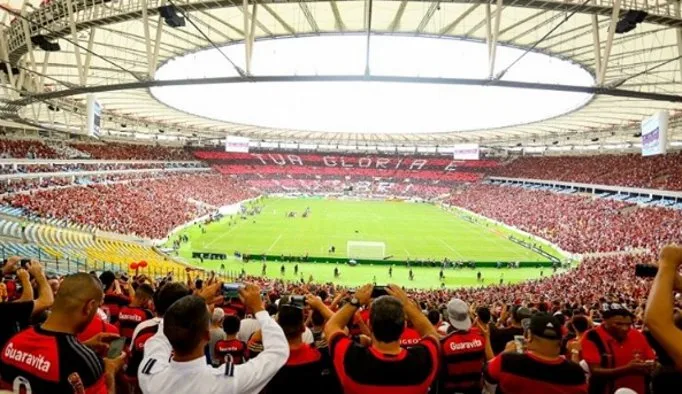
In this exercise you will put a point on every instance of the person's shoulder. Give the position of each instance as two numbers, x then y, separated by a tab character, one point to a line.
84	360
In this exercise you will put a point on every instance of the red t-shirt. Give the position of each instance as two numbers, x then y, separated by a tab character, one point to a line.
410	337
128	319
620	354
233	347
96	326
366	370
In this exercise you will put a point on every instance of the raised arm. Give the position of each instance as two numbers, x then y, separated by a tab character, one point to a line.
485	330
25	280
659	310
319	306
342	317
253	376
420	322
45	297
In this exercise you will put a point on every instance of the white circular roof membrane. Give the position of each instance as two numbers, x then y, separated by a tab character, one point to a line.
372	107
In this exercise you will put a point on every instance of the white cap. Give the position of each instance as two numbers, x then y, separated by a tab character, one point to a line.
218	315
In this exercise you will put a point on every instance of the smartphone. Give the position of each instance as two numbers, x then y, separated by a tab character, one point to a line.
25	263
379	291
297	301
231	290
645	270
116	347
520	342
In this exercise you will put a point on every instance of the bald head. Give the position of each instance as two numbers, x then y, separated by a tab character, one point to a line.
77	290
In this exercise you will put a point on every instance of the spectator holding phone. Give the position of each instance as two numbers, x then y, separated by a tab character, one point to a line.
538	369
385	366
182	367
49	358
16	316
618	356
305	362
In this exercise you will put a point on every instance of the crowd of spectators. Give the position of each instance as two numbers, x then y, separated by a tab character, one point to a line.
121	151
630	170
45	149
10	186
582	331
145	207
76	167
576	223
25	149
355	185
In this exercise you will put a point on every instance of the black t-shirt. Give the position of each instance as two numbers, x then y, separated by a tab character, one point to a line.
14	317
499	337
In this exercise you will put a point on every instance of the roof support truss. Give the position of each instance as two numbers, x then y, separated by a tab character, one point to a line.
82	77
309	16
492	31
609	42
678	32
338	21
395	23
451	26
427	17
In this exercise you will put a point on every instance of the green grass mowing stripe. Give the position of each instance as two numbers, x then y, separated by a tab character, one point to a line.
418	231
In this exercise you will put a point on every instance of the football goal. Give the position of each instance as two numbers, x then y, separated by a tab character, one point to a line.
366	250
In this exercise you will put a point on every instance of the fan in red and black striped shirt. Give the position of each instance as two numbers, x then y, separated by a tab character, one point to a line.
138	311
540	368
231	346
49	358
385	366
463	350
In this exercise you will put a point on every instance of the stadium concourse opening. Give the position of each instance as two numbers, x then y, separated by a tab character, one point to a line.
416	105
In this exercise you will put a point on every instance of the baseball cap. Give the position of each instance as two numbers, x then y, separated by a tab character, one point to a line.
545	326
615	309
521	313
458	314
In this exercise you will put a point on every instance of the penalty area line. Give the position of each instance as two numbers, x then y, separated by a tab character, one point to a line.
274	243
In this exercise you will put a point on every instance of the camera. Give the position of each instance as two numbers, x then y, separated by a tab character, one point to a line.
645	270
379	291
297	301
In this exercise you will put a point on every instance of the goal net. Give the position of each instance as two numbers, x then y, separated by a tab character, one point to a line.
366	250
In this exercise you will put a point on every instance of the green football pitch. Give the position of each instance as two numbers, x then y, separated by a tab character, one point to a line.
414	231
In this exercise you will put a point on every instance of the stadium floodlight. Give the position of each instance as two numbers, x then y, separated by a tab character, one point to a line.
366	250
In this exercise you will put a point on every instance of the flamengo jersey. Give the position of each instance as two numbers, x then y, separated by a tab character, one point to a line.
233	347
365	370
39	361
128	319
137	348
515	373
463	354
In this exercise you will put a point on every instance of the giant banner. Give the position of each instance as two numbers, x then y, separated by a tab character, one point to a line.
236	144
94	116
466	152
655	134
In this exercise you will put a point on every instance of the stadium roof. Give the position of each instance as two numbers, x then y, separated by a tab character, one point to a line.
114	48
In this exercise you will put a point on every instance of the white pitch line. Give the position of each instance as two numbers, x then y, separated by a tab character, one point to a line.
223	235
450	247
274	243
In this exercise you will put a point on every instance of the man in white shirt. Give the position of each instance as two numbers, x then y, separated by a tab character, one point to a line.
184	333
